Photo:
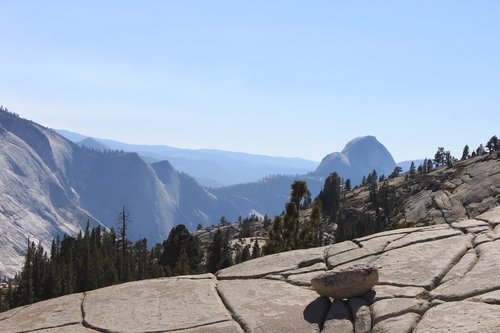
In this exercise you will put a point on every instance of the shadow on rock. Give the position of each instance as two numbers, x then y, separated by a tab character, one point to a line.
315	312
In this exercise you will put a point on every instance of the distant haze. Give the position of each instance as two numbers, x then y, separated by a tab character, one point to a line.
212	168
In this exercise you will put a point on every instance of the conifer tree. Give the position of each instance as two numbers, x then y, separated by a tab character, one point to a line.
276	239
395	173
363	181
465	153
219	252
329	197
412	169
348	185
424	167
492	144
182	264
480	150
429	165
299	195
317	224
245	254
123	260
439	157
255	249
25	292
448	159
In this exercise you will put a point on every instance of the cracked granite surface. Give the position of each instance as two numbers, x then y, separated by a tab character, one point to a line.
432	279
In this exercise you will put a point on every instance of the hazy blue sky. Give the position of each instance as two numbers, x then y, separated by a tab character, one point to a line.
288	78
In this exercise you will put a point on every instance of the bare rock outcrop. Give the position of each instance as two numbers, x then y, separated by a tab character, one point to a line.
431	279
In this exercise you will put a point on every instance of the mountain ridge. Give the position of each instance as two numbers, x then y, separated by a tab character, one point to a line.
211	167
58	186
51	186
359	157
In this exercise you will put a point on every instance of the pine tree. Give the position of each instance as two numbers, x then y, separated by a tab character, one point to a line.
25	292
141	259
219	252
276	239
465	153
424	166
182	264
492	144
395	173
39	269
439	157
245	254
255	249
448	159
429	165
172	247
123	260
300	194
480	150
330	196
245	228
180	239
348	185
412	169
317	224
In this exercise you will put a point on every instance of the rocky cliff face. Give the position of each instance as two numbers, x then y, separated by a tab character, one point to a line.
467	189
50	186
450	194
36	199
441	278
359	157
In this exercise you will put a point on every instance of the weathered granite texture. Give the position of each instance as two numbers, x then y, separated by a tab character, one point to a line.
443	278
348	282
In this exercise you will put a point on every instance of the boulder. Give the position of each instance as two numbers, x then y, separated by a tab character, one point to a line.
346	283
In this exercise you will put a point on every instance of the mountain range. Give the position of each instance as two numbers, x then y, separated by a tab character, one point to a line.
210	167
50	185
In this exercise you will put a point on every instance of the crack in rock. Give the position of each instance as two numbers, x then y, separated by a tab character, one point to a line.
483	298
250	277
49	327
438	283
191	327
377	254
14	311
244	327
85	323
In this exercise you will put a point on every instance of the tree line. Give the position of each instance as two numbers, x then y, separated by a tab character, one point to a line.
98	257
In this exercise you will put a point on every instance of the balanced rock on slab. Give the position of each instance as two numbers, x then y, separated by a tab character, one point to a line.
346	283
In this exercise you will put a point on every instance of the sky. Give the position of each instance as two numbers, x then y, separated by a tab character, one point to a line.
282	78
